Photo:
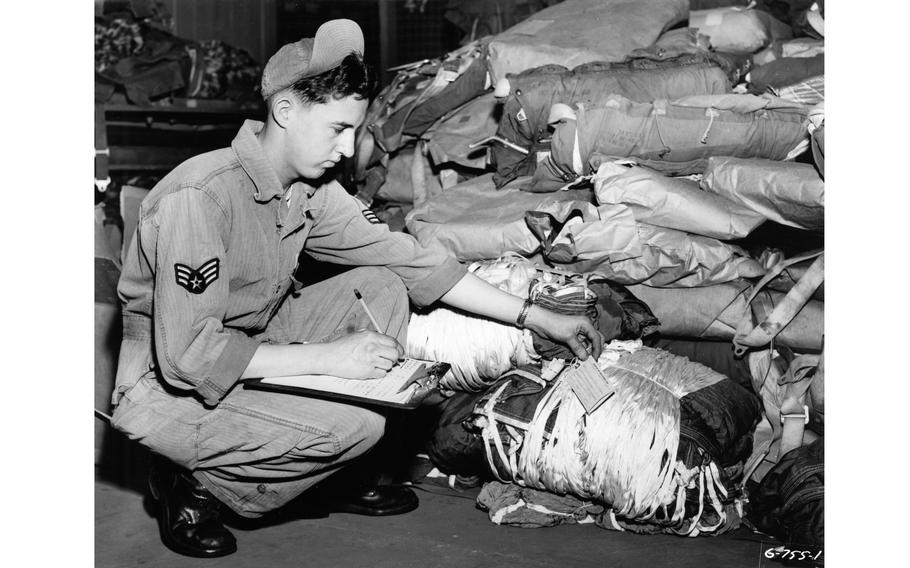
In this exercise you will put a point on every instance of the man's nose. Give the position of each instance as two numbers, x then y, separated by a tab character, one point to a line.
346	144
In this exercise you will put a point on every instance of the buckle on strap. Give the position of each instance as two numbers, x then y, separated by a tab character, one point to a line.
804	415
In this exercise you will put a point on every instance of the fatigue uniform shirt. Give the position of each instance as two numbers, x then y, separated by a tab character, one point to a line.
215	254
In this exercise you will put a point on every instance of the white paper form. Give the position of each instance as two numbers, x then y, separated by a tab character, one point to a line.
385	389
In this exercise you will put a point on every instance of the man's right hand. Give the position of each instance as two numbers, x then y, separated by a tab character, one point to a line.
363	355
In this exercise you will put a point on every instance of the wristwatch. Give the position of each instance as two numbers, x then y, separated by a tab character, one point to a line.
523	314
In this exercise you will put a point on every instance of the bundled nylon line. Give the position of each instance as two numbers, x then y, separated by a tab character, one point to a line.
479	350
624	453
565	297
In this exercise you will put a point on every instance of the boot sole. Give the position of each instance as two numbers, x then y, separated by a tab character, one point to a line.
369	511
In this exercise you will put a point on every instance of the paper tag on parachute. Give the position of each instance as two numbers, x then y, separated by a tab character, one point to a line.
589	384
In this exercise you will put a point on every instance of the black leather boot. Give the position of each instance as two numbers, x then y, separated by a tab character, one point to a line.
376	500
188	514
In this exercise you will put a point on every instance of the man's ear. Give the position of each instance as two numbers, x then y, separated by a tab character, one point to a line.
280	109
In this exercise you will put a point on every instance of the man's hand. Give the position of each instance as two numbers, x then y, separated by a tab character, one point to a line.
363	355
479	297
576	332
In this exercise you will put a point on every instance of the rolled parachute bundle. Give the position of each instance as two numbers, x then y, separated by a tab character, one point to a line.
663	450
532	93
716	312
674	137
573	32
479	350
788	193
672	202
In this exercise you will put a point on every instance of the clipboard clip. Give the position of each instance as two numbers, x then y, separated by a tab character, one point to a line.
421	377
427	377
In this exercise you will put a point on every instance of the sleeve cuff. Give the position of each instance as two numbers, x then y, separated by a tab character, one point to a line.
438	283
228	368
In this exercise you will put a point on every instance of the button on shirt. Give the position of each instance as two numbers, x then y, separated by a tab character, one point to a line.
215	253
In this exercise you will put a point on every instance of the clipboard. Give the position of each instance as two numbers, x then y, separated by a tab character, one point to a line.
414	378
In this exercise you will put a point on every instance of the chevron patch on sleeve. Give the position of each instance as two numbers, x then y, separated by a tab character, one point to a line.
371	217
196	280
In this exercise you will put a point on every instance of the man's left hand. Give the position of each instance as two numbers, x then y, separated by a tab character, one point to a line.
576	332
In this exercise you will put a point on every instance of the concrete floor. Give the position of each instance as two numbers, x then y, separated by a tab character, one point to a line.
446	531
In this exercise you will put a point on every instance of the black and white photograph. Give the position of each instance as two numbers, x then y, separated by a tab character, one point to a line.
459	283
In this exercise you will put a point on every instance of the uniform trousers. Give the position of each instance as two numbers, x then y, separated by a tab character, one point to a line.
257	450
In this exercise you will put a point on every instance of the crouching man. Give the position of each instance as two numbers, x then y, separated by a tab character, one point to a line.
209	297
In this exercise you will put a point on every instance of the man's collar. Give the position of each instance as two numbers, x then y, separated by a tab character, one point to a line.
256	164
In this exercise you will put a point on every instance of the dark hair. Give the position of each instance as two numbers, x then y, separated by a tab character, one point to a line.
351	77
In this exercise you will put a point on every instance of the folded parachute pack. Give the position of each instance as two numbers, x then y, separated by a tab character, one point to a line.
474	221
672	202
788	193
798	47
580	31
583	238
528	97
752	314
785	71
663	453
674	137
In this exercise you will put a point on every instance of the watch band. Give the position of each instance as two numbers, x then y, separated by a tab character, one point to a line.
523	314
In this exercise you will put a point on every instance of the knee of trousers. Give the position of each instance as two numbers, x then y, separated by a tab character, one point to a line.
359	430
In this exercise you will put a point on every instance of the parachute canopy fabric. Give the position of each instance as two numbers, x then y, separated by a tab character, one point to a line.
656	451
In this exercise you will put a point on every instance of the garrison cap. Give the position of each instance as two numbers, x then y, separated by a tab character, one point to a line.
335	40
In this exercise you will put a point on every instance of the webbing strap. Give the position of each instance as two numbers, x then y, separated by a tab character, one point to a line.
491	435
793	404
102	152
577	166
419	192
751	335
789	435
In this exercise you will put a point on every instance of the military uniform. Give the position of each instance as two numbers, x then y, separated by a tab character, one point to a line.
209	276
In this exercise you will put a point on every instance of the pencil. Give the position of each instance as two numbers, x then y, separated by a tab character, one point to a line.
367	310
